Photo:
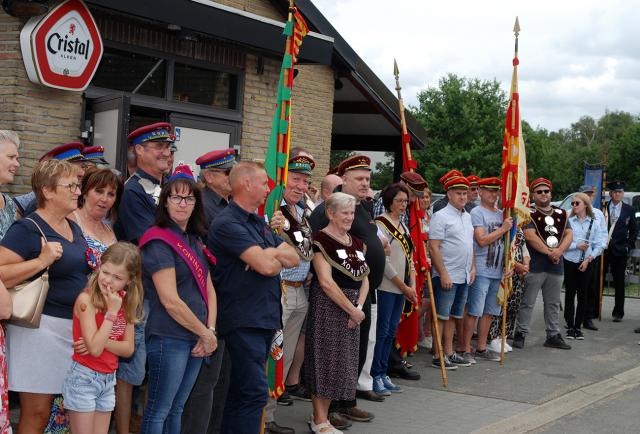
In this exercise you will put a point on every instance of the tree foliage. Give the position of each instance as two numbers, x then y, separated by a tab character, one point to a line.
464	119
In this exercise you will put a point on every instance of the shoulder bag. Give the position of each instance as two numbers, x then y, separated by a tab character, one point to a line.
28	298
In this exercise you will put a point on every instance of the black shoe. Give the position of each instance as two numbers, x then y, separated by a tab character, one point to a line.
571	333
285	399
617	318
556	341
338	421
274	428
636	330
369	395
578	334
298	391
518	340
402	371
589	325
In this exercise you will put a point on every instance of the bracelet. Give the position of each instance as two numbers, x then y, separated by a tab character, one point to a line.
111	317
213	329
359	307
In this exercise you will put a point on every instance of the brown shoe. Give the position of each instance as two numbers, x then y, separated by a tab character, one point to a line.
369	395
135	423
338	421
354	413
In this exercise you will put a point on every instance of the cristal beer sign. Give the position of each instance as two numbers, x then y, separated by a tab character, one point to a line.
63	48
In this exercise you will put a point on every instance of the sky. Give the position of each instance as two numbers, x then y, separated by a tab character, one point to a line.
577	58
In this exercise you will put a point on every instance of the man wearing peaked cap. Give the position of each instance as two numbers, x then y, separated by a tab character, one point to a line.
292	224
356	177
444	179
621	224
451	248
94	155
214	170
135	214
472	200
489	228
548	236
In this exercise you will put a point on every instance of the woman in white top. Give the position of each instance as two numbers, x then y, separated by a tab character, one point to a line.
397	284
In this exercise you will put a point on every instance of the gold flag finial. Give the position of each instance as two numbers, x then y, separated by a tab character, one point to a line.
396	71
516	27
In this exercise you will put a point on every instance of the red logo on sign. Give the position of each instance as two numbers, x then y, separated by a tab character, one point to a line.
65	47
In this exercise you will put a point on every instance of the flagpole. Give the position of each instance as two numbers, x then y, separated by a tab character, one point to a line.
410	166
509	193
606	221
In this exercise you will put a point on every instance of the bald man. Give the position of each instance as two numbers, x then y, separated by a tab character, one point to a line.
247	278
328	184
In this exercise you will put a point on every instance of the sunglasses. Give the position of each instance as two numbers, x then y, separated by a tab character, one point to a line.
575	203
543	191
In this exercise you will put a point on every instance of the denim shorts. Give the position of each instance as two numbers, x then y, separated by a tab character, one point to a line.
85	390
483	298
449	303
131	370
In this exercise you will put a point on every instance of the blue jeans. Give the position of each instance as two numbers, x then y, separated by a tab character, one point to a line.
172	373
248	390
389	311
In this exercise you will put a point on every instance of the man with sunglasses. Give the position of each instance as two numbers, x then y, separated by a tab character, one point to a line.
548	236
214	171
136	213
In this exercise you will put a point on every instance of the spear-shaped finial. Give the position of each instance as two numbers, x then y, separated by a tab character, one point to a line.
516	31
396	74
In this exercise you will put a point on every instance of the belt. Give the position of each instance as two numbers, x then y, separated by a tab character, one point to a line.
293	284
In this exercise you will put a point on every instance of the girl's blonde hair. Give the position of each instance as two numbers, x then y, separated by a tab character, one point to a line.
122	253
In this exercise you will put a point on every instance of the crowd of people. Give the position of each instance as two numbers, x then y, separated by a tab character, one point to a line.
179	287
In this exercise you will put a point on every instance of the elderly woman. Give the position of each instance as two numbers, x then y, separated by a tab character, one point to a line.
9	143
335	311
180	329
41	357
585	246
99	196
397	284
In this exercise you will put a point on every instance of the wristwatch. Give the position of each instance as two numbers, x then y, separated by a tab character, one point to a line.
213	329
359	307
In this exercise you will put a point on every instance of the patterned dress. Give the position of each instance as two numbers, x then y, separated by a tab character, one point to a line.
513	302
7	217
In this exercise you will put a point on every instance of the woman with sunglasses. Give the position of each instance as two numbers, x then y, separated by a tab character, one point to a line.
39	358
180	330
585	246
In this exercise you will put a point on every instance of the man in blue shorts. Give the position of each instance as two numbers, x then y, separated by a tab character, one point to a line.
451	248
489	228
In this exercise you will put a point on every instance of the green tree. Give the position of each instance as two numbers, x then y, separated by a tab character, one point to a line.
383	173
624	156
464	119
336	157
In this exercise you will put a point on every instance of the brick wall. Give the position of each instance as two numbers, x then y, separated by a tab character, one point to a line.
42	117
263	8
312	110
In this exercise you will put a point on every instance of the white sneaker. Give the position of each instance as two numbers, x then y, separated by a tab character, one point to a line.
508	348
427	342
494	346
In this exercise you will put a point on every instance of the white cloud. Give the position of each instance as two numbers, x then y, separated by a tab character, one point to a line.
576	57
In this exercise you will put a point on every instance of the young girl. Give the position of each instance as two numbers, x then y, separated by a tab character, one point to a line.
103	317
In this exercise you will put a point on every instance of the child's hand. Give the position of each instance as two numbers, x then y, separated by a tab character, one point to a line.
114	300
80	348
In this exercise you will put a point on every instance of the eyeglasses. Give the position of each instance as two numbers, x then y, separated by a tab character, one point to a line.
399	200
225	171
543	191
576	203
176	199
72	186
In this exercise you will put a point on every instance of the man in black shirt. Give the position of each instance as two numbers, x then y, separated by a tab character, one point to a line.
356	176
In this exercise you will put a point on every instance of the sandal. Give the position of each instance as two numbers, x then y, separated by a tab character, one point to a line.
323	428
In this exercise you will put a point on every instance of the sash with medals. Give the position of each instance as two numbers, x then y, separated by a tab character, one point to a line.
550	227
298	233
149	187
349	260
182	248
405	242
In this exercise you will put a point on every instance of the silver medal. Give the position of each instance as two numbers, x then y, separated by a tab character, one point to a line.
552	241
551	230
549	220
286	226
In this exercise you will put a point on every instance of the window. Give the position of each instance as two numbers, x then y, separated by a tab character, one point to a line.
126	71
204	86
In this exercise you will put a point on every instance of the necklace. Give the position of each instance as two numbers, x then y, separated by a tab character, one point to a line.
545	212
344	239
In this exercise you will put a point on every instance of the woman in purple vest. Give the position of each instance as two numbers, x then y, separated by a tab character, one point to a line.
180	329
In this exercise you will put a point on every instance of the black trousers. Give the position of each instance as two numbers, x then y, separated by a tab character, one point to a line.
576	283
593	291
365	325
618	265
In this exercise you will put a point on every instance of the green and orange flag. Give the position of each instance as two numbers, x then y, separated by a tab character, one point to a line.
276	164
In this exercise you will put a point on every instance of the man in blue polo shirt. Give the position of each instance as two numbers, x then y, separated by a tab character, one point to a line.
247	277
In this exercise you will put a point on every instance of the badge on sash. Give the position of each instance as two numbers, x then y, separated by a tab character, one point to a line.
360	255
342	254
298	236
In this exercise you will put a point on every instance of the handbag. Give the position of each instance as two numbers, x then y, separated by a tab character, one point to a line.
28	298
